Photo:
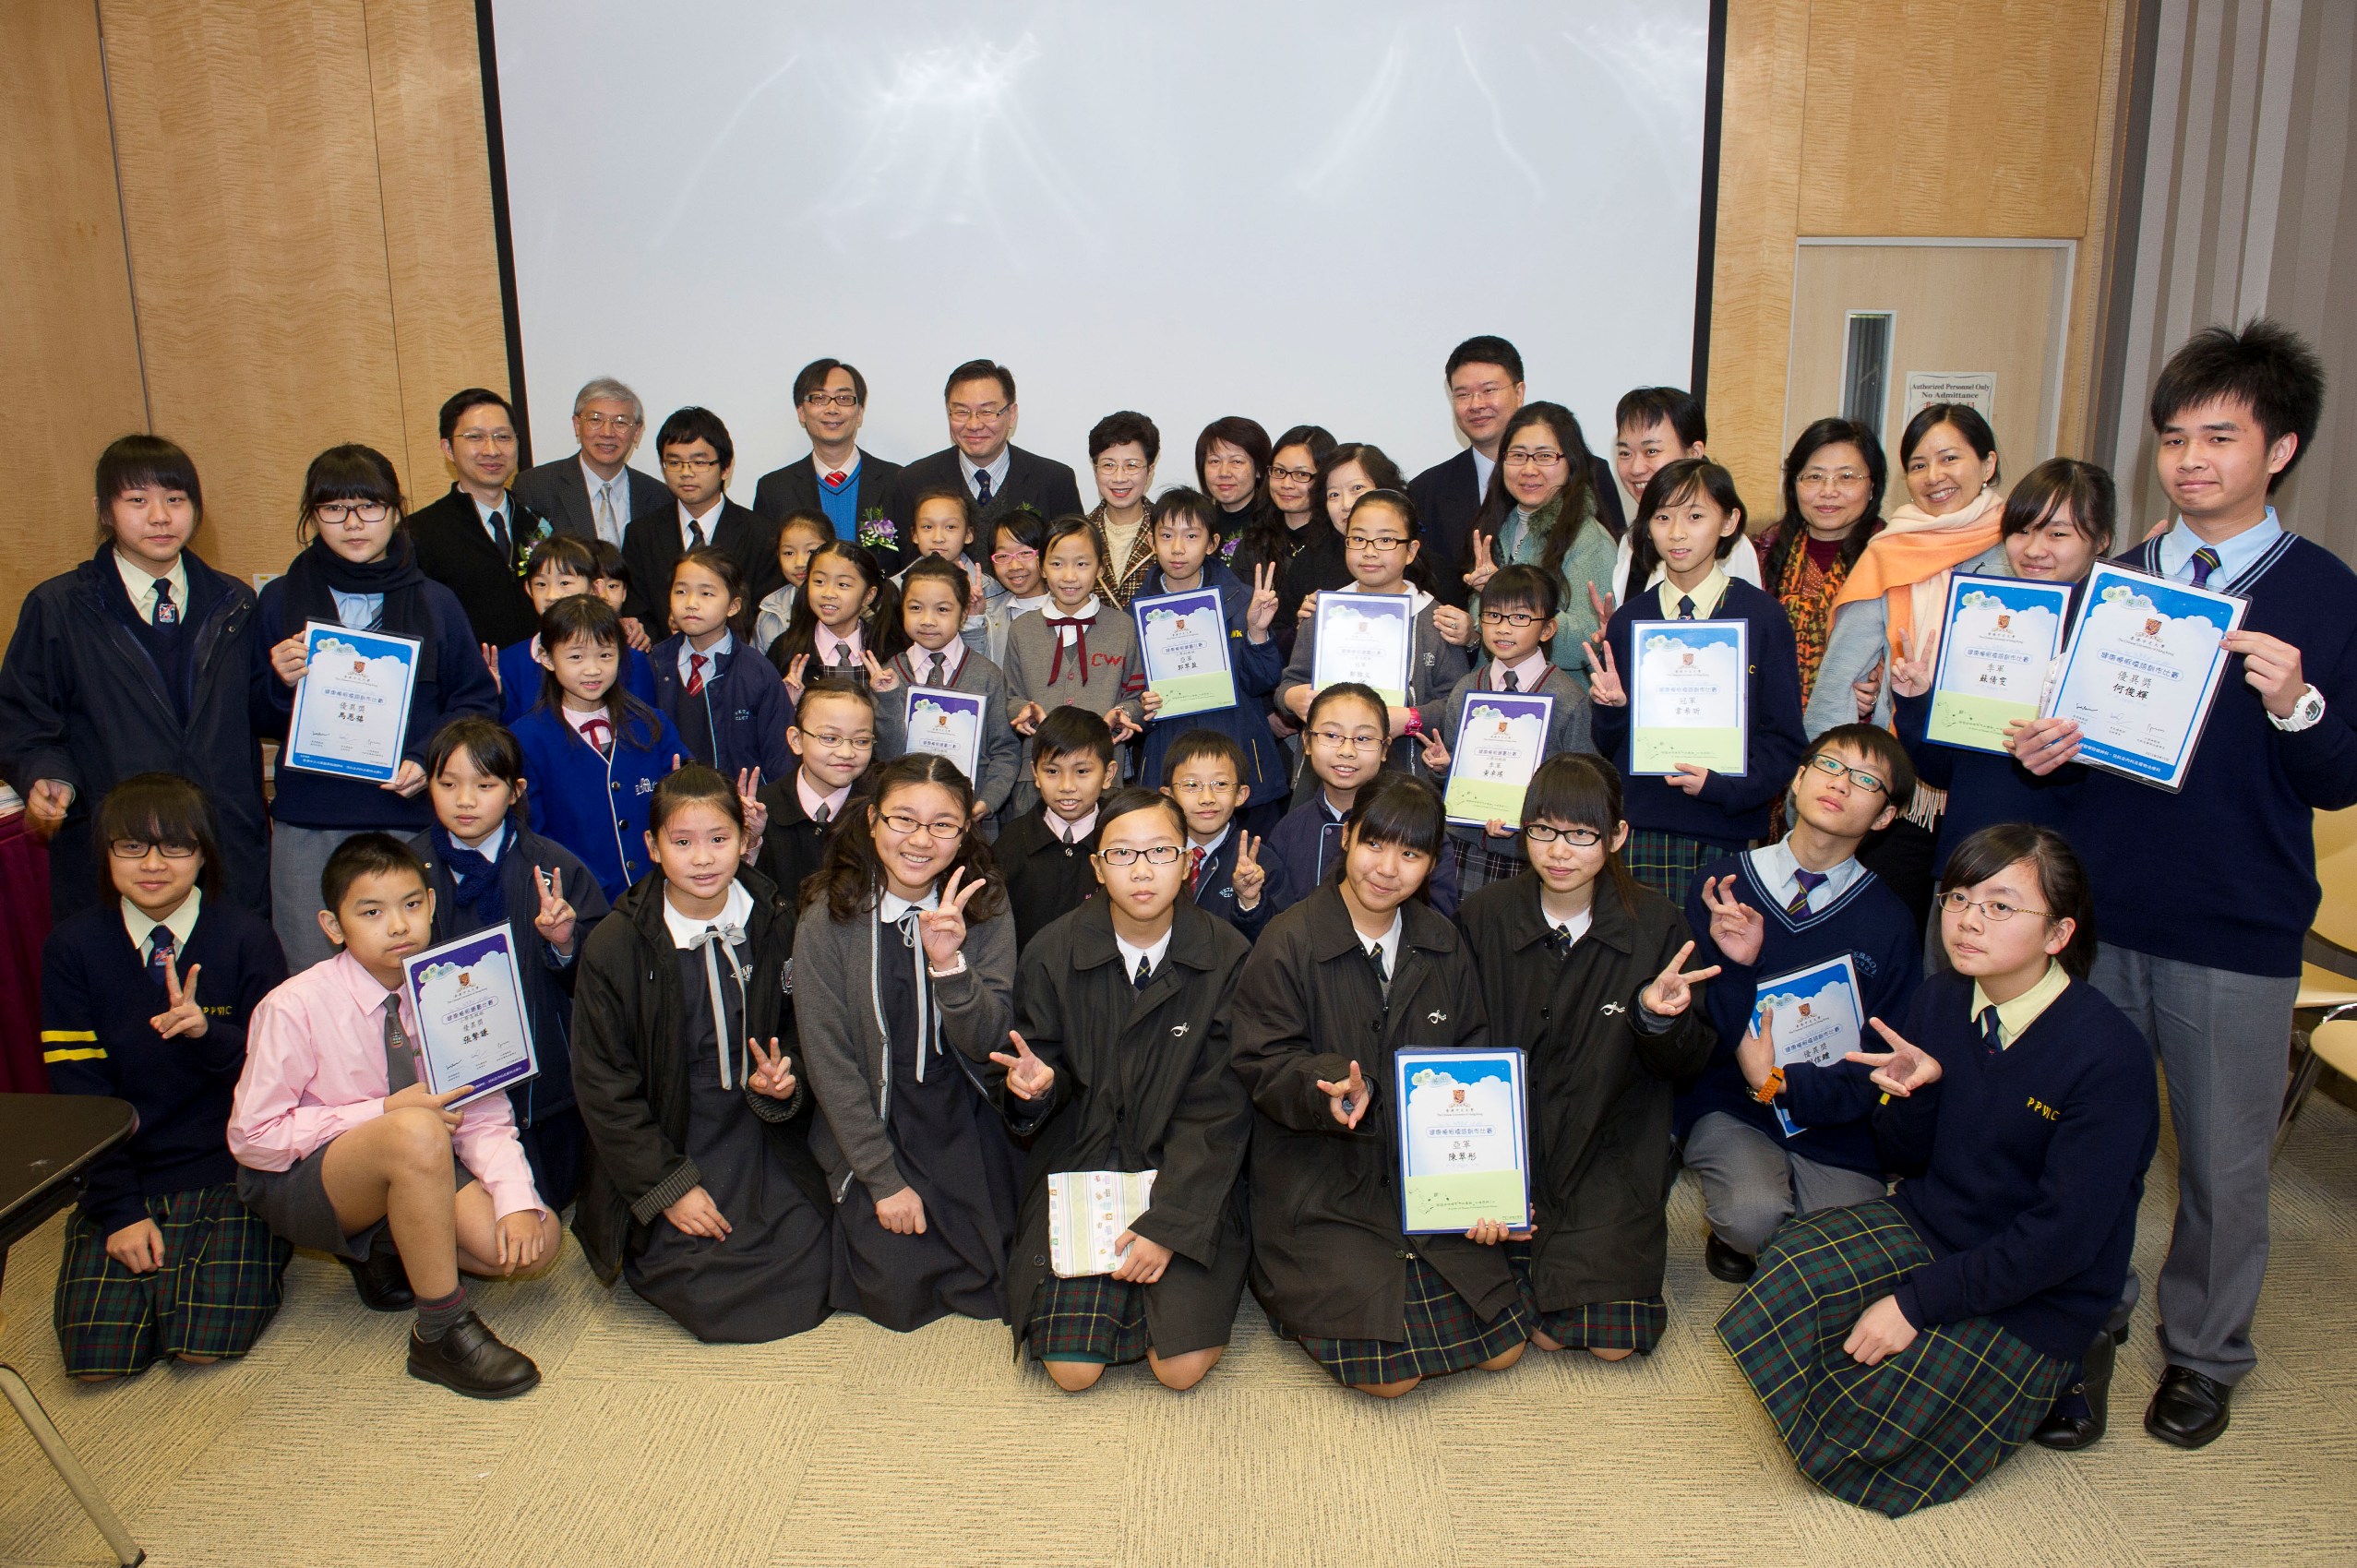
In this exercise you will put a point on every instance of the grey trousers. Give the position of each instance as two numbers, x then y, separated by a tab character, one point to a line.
1751	1183
297	857
2224	1039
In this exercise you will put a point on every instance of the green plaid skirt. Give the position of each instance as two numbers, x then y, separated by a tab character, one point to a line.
1919	1429
1443	1335
1093	1318
1478	864
216	1292
1596	1325
1668	862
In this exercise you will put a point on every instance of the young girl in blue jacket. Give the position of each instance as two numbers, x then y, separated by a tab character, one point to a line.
726	698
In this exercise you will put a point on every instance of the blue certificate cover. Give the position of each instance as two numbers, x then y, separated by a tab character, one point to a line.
1463	1142
1818	1018
1690	696
2000	635
1501	741
1183	638
947	724
2142	670
352	705
471	1022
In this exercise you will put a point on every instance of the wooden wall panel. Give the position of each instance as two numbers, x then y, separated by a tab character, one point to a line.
66	337
247	150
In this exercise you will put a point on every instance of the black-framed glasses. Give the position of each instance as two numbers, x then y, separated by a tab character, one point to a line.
690	465
139	849
1834	768
1123	855
1994	910
1521	621
944	829
830	399
339	511
1545	833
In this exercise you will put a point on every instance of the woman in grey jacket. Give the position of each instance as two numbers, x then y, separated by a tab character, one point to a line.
905	963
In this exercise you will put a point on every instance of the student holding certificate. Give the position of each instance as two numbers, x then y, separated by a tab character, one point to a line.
2210	980
1588	973
1126	998
356	570
1685	813
932	651
1363	959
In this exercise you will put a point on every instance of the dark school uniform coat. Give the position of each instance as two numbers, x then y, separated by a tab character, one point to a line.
1143	1082
1046	878
792	844
654	545
455	550
1327	1246
1602	1081
630	1067
559	492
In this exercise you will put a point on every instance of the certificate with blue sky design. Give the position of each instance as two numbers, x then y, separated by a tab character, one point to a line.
350	712
1462	1153
2142	670
1183	638
2000	639
1690	696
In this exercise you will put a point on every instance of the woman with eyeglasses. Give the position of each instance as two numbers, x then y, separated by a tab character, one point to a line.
139	660
1541	511
905	967
1285	526
1587	971
1126	998
1833	505
1122	450
356	568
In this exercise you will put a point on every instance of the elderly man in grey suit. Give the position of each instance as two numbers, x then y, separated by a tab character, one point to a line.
595	492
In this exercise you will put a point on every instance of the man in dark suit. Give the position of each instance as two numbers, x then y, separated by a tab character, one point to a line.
837	479
998	475
473	541
697	458
1485	384
594	492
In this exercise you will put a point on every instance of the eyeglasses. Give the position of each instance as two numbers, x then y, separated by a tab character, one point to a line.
338	511
485	437
689	465
1834	768
1519	619
1382	544
1200	787
945	829
990	414
1541	832
1533	457
1825	479
856	742
1125	468
1153	854
1293	475
139	849
1335	740
1009	557
832	400
1460	395
621	423
1992	910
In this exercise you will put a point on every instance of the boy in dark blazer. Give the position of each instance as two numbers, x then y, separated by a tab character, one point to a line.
475	539
1044	854
698	458
847	486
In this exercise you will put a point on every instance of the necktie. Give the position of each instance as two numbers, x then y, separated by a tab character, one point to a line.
822	814
166	611
607	528
1993	1037
2204	562
498	523
400	1062
1685	607
160	950
1375	960
982	486
694	534
600	734
1560	937
1058	626
1145	972
1513	682
835	480
931	669
1194	866
1810	882
695	675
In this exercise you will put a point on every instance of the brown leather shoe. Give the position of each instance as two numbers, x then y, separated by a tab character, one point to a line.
471	1360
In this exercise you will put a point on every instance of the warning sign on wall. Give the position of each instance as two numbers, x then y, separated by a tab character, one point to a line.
1975	389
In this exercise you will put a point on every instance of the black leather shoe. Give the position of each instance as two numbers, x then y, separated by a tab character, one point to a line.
2080	1416
1725	1262
470	1360
2188	1409
381	1281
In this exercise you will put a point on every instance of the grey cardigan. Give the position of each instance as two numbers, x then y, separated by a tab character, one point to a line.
838	1015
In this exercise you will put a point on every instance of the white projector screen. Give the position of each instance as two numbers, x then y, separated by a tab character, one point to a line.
1288	210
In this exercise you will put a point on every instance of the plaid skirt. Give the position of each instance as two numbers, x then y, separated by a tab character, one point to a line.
1443	1335
1594	1326
1478	864
1093	1318
216	1292
1919	1429
1668	862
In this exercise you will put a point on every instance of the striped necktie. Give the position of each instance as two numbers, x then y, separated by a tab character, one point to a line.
1810	882
2204	561
160	948
1992	1036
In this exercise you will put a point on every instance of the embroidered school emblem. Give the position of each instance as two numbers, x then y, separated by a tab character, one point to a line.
1436	1018
1610	1008
1178	1030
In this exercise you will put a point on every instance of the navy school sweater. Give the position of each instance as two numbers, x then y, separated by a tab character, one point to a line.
738	720
596	806
1729	810
2222	873
1828	1104
1216	885
522	682
96	1002
2022	1169
1985	788
1301	849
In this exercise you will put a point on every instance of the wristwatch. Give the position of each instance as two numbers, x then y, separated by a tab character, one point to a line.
2304	713
1770	1087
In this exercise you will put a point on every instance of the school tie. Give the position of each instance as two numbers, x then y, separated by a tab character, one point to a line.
600	734
1145	972
821	815
1993	1039
400	1062
1560	937
932	664
982	486
694	534
498	523
835	479
166	611
1685	607
1383	976
1810	882
695	675
160	951
2204	562
1513	682
607	528
1194	867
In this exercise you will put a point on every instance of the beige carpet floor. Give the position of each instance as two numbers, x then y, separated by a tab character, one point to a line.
852	1445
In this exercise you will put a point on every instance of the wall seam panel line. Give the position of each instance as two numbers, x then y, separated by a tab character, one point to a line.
2279	64
122	216
385	227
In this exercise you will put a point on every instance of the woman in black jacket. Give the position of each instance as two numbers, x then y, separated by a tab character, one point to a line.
1582	970
139	659
1126	997
1363	959
700	1183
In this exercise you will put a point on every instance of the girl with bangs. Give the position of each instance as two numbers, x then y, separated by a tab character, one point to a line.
1583	969
1363	959
1541	511
838	620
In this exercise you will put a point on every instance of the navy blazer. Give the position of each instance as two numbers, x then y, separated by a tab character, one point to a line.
653	546
738	720
1216	885
794	487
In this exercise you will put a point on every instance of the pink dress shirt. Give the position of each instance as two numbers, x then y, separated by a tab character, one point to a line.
314	1070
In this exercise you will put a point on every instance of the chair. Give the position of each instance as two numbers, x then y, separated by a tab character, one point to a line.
2320	1036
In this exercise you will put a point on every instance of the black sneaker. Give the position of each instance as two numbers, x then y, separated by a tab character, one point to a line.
471	1360
382	1282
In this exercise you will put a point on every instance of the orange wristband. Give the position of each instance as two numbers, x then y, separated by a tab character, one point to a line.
1768	1092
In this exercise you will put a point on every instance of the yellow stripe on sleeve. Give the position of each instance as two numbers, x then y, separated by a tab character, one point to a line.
87	1053
53	1037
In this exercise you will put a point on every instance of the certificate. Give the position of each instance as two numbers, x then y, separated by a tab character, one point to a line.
1087	1212
2002	637
947	724
2142	670
1369	637
1183	637
352	705
1499	743
1462	1139
470	1023
1818	1020
1690	696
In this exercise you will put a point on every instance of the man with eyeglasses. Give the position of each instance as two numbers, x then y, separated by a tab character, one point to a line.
698	458
594	494
473	541
849	486
1000	476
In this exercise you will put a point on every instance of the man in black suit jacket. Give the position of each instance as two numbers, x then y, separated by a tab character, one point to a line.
1000	476
595	492
1485	385
697	459
473	541
838	480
